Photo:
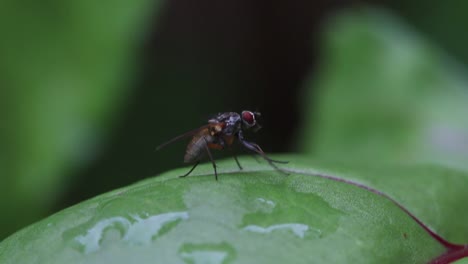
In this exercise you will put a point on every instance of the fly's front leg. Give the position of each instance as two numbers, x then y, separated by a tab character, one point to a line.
256	148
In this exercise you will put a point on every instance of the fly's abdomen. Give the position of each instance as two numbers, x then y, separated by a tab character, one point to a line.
197	147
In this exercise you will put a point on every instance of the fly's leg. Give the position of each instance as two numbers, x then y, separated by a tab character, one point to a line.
254	156
190	171
223	144
237	161
211	158
235	158
256	148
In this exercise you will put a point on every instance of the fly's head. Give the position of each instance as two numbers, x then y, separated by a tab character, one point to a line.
249	120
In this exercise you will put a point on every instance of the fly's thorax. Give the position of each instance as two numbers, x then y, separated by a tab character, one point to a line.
223	117
216	129
231	123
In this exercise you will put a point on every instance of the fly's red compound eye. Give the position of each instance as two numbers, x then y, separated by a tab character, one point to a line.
248	118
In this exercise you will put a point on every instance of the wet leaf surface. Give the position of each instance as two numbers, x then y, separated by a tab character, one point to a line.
257	216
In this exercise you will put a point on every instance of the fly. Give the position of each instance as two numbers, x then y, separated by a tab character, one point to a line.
221	132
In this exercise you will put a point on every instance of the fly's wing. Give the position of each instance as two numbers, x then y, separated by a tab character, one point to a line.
185	135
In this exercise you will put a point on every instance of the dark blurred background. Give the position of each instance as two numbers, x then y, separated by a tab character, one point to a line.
89	89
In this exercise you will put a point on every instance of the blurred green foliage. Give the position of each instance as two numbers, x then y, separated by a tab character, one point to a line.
442	22
64	68
386	95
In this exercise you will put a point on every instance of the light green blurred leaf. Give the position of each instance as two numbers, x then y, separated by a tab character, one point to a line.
64	69
384	93
256	216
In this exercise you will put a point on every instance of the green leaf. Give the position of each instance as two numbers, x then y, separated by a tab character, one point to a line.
384	93
256	216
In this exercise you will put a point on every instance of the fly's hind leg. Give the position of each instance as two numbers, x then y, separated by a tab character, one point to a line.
190	171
